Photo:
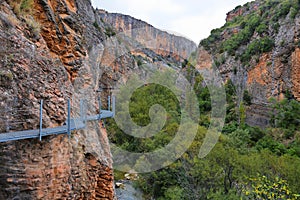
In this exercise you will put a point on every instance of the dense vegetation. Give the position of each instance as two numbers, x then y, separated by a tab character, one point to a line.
246	163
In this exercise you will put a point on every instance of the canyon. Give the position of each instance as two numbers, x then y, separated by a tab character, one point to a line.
57	50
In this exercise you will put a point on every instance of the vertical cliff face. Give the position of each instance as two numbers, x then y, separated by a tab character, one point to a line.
53	53
63	41
258	49
162	42
296	73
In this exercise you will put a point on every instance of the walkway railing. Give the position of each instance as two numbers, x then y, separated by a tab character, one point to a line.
70	125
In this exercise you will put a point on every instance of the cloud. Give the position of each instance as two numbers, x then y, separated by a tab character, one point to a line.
191	18
153	6
139	7
202	17
195	27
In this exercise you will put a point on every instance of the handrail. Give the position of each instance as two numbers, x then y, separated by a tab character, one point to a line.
70	125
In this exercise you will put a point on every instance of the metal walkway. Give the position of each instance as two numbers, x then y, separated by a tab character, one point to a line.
70	125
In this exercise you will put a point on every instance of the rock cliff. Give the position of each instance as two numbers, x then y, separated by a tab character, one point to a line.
51	51
162	42
258	49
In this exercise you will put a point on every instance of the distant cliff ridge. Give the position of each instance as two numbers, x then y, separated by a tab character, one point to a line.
161	42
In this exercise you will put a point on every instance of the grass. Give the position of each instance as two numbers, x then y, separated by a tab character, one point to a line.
24	9
7	74
33	25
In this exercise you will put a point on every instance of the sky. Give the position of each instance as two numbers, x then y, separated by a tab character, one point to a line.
193	19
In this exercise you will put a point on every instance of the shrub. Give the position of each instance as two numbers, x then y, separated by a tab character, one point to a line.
139	62
294	12
287	114
243	37
261	29
26	6
34	26
22	7
109	32
284	9
96	25
215	35
247	98
256	47
276	27
254	21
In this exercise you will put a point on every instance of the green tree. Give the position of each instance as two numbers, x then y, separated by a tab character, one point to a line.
173	193
286	114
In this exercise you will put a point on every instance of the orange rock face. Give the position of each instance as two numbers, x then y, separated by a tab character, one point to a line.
274	76
204	60
54	66
239	11
231	15
296	73
61	38
260	73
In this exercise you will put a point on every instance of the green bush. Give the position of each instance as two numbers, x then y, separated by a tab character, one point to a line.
96	25
257	47
22	7
261	29
286	114
294	12
109	32
247	98
243	37
139	62
284	9
215	35
268	142
173	193
26	6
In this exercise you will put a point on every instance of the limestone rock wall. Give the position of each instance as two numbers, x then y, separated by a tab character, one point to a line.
53	54
296	73
161	42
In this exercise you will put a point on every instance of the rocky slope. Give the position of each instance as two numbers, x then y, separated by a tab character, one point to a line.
160	41
57	50
43	56
52	65
258	49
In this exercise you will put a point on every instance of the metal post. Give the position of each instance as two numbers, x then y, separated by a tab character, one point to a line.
108	103
81	112
114	106
99	101
69	119
41	119
6	120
